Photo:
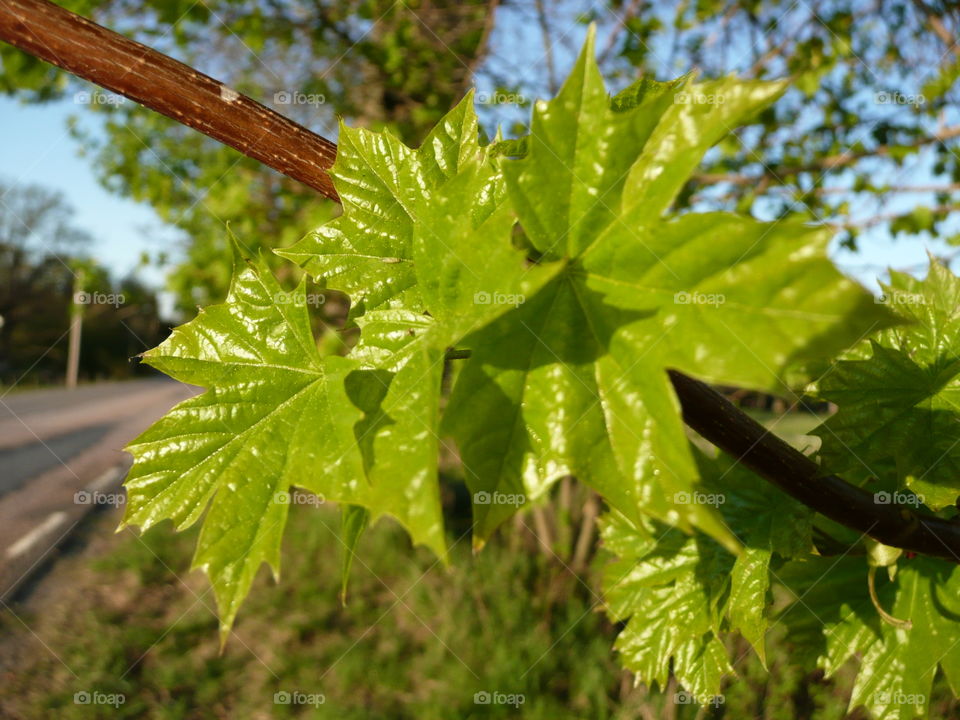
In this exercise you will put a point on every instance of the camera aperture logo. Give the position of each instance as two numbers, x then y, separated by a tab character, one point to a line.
296	697
294	298
498	698
299	497
899	698
99	298
699	98
498	298
95	497
687	698
294	97
500	98
899	98
499	498
699	298
98	97
900	298
699	498
897	498
95	697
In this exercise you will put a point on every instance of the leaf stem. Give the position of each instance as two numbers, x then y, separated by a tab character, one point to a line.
887	617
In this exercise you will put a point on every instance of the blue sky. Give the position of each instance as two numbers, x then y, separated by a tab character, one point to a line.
36	148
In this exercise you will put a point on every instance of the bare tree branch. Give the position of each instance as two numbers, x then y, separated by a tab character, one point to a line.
171	88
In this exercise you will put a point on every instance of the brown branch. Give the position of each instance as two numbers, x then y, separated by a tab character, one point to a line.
831	162
882	218
936	23
736	433
824	191
169	87
547	46
622	21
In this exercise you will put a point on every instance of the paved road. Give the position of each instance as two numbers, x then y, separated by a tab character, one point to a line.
59	449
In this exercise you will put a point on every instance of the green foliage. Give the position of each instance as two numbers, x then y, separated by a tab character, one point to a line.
561	271
578	369
833	613
274	410
680	594
901	386
119	622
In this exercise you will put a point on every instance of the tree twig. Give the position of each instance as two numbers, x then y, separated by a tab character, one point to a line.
169	87
831	162
736	433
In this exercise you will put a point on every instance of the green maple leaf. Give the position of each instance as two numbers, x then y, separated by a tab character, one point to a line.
899	397
679	592
667	587
767	523
275	415
353	522
467	273
572	317
361	430
573	382
384	185
835	616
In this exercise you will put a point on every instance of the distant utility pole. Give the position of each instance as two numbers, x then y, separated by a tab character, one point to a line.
76	327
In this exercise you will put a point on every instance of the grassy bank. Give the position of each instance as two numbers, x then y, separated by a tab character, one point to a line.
415	641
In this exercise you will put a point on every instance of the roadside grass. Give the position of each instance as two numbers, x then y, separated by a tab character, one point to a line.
414	641
119	614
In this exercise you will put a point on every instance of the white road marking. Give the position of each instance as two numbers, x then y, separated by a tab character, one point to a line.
54	520
105	480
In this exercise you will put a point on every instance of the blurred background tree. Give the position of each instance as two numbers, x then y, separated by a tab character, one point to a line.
865	139
40	251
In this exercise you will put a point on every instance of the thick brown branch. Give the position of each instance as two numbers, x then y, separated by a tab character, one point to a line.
736	433
171	88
